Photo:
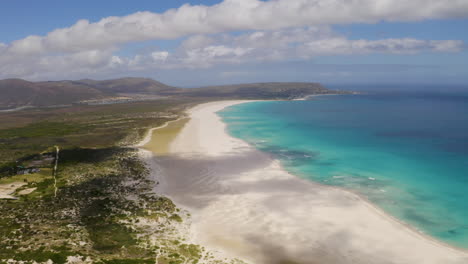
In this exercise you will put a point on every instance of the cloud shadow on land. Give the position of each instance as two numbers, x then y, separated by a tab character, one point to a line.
201	182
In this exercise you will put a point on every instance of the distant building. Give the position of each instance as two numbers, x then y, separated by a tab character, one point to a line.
23	171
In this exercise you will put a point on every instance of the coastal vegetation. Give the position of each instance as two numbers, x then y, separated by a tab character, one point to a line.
104	212
99	206
32	131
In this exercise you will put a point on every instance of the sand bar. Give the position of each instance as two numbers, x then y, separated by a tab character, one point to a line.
245	205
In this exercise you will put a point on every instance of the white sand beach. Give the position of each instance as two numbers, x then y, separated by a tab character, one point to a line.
244	205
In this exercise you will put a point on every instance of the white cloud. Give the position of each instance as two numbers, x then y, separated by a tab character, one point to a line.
341	45
234	15
3	46
447	45
283	29
58	66
115	61
160	55
296	44
207	51
31	45
197	41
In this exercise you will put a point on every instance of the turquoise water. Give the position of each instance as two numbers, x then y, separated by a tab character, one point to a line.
407	153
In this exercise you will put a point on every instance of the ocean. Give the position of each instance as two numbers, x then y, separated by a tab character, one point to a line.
405	152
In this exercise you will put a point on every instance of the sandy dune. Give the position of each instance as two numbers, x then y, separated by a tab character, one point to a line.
7	189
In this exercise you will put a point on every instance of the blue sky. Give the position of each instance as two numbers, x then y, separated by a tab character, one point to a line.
228	42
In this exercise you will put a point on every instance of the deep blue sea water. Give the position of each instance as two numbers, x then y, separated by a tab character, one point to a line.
407	153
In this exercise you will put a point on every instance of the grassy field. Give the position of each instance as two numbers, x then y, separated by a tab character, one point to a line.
32	131
45	173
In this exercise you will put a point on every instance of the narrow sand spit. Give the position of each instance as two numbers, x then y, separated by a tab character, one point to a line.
244	205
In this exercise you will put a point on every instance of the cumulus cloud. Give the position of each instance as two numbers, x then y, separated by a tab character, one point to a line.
234	15
160	55
56	66
203	51
30	45
293	44
281	29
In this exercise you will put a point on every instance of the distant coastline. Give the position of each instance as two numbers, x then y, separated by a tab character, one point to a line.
8	110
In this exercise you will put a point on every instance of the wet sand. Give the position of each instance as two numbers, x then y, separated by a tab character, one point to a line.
162	137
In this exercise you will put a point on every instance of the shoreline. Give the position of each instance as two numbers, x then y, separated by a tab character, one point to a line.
383	213
197	145
371	205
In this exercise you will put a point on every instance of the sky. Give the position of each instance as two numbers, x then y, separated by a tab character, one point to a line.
208	42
